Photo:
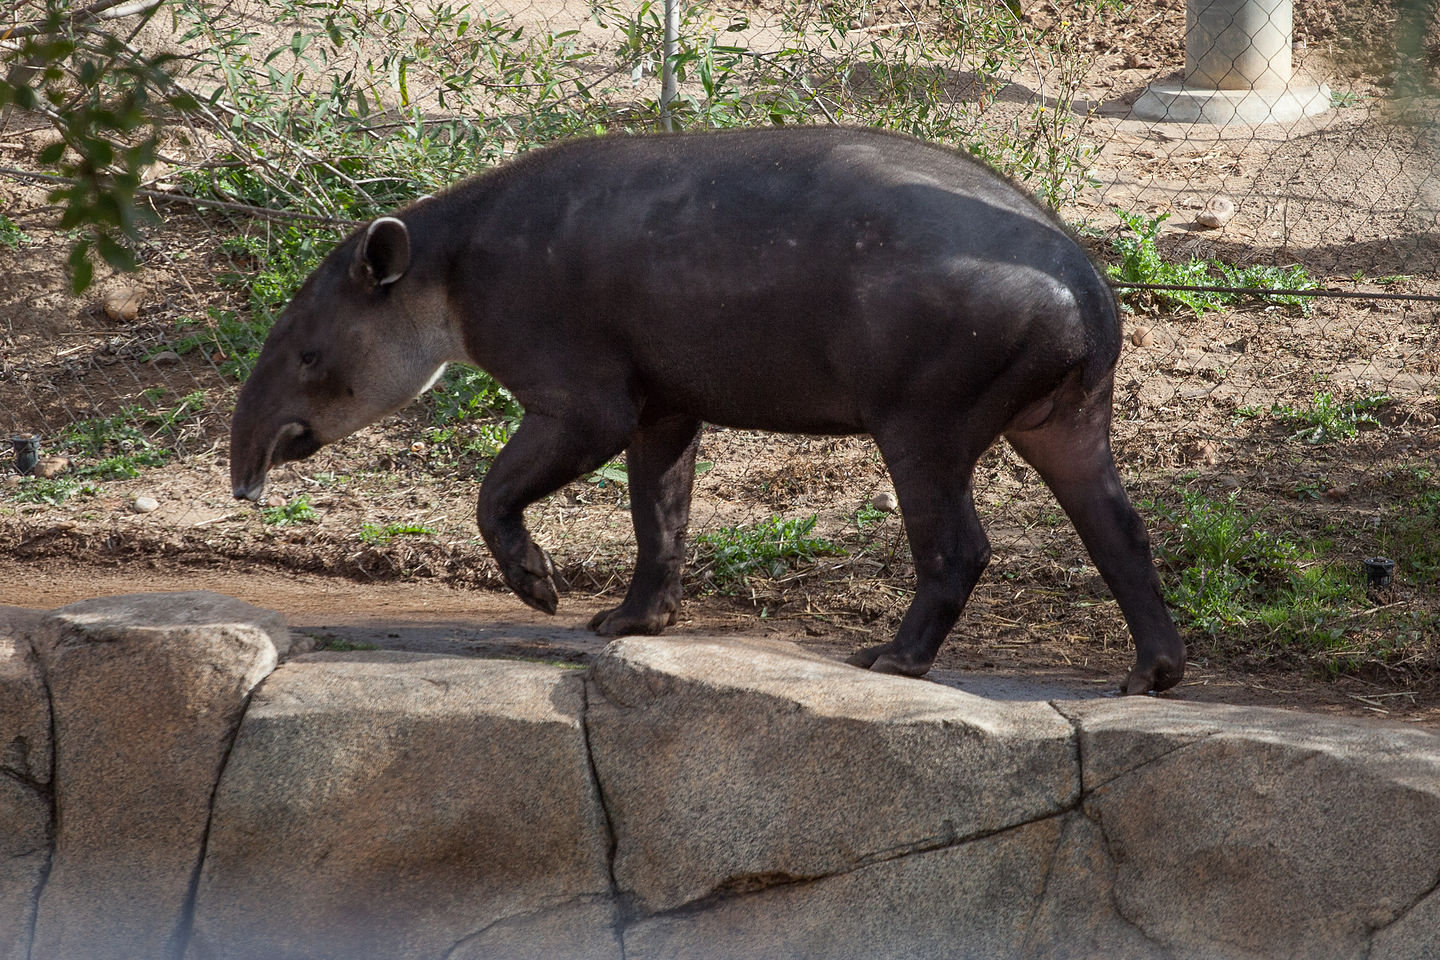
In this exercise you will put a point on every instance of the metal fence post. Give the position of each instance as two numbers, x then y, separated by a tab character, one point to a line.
667	66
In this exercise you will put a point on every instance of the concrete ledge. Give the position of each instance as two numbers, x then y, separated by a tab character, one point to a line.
1179	103
706	797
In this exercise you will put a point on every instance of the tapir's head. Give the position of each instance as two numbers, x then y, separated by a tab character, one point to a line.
367	333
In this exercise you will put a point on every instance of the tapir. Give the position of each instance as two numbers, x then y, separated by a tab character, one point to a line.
822	280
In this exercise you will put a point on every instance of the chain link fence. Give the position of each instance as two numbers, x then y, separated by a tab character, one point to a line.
1274	438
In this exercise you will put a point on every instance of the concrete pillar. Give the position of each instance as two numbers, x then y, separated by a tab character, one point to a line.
1238	68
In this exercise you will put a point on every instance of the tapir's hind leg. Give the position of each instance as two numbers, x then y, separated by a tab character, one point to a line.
660	463
932	475
1071	452
545	453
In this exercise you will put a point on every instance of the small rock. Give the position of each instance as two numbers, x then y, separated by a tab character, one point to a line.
1203	451
1231	483
145	504
276	500
1217	213
1337	493
123	305
13	480
418	447
885	502
64	525
165	357
51	467
1142	337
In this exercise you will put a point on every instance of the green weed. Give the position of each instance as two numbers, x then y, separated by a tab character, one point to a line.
371	533
51	491
294	511
769	549
11	236
1229	571
1142	262
1327	419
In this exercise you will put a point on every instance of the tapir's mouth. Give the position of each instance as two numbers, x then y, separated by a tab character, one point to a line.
293	441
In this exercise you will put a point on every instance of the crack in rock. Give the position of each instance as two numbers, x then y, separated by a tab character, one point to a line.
185	925
51	794
612	839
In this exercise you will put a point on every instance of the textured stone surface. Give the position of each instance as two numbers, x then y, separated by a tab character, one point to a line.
147	691
969	902
1235	830
1415	936
1077	919
24	782
24	856
585	930
24	705
723	760
765	803
395	805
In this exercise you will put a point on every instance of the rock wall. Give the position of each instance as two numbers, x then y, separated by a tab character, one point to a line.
167	792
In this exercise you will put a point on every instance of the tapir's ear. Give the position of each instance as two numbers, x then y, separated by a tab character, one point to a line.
383	255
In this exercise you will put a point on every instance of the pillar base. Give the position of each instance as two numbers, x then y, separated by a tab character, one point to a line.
1178	103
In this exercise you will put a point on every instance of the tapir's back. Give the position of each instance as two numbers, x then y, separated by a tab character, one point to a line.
801	270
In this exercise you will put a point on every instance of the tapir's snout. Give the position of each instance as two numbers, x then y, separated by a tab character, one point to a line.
253	454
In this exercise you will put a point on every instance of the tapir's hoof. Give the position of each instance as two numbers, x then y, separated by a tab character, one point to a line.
883	659
1160	675
533	580
615	622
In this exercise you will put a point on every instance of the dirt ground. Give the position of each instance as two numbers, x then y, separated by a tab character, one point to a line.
1352	196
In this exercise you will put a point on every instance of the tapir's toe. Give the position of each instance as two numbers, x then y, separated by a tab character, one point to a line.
533	579
617	622
883	658
1160	674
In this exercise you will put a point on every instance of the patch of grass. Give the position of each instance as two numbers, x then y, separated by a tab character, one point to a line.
294	511
1229	571
371	533
1410	533
771	549
52	491
11	236
1142	262
125	444
330	642
1327	419
868	516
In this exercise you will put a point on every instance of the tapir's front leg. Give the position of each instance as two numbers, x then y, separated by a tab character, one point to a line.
661	466
545	453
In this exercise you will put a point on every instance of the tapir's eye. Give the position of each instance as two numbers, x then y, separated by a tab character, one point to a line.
309	358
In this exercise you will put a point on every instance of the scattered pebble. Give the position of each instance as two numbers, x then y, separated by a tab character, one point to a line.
275	500
13	480
64	525
1231	483
417	447
1217	213
123	305
885	502
1142	337
165	357
145	504
51	467
1203	451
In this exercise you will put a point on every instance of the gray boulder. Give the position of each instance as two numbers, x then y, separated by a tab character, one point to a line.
146	691
399	805
25	815
1236	830
732	763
